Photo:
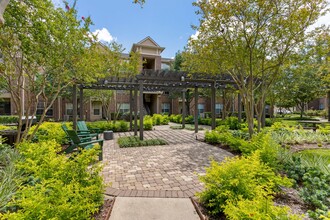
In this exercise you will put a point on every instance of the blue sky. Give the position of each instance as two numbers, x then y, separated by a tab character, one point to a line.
168	22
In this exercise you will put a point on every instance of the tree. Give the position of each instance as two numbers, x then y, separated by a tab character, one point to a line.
250	41
43	48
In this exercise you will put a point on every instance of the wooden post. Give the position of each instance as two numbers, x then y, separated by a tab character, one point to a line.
224	104
263	117
81	100
74	103
135	110
183	109
141	110
196	109
329	105
130	110
213	105
239	104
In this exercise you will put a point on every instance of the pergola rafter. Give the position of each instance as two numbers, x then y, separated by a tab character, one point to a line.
160	80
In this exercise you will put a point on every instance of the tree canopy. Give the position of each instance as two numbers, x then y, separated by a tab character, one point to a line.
250	41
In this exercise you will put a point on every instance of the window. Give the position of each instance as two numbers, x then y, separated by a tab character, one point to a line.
123	107
200	108
96	108
321	107
68	108
218	108
41	107
165	107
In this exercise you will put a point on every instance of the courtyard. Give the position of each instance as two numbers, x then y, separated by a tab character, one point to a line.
169	171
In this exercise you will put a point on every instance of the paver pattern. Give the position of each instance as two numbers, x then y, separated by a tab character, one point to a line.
158	171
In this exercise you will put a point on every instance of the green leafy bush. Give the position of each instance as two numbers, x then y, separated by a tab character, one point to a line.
189	119
119	126
56	186
147	123
158	119
133	141
49	131
232	123
236	179
316	189
260	207
8	119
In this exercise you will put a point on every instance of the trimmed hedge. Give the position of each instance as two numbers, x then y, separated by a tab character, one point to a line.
133	141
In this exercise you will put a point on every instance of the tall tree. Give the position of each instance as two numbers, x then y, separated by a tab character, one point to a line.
42	47
250	41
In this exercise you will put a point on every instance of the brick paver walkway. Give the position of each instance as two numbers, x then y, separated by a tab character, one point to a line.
158	171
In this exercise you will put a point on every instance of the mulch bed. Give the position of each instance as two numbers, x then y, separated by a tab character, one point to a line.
105	210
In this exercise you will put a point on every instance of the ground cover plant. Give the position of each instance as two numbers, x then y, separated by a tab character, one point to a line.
133	141
187	126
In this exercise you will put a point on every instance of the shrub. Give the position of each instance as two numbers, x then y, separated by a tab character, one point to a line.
147	123
260	207
189	119
158	119
57	187
119	126
136	142
232	123
238	178
8	119
49	131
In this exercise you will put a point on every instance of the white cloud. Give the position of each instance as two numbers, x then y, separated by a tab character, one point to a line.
194	36
103	35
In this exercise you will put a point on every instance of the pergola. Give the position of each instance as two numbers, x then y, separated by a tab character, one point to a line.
159	80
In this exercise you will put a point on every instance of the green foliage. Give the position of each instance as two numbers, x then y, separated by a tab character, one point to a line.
316	189
119	126
147	123
8	119
57	187
236	179
134	141
176	118
3	127
10	176
233	123
189	119
258	208
158	119
49	131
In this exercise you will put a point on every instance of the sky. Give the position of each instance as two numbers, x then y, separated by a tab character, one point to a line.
168	22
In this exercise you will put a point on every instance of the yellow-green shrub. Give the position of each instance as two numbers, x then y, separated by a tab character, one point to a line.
258	208
238	178
49	131
56	186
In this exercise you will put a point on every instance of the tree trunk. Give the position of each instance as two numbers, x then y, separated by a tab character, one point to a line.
3	5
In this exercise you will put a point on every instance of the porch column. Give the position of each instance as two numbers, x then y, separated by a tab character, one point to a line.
130	109
135	109
81	99
196	109
213	105
74	103
239	104
183	108
141	109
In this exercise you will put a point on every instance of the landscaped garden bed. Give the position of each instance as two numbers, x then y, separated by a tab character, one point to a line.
133	141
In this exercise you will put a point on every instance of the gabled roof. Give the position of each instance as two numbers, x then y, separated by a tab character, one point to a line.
147	42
